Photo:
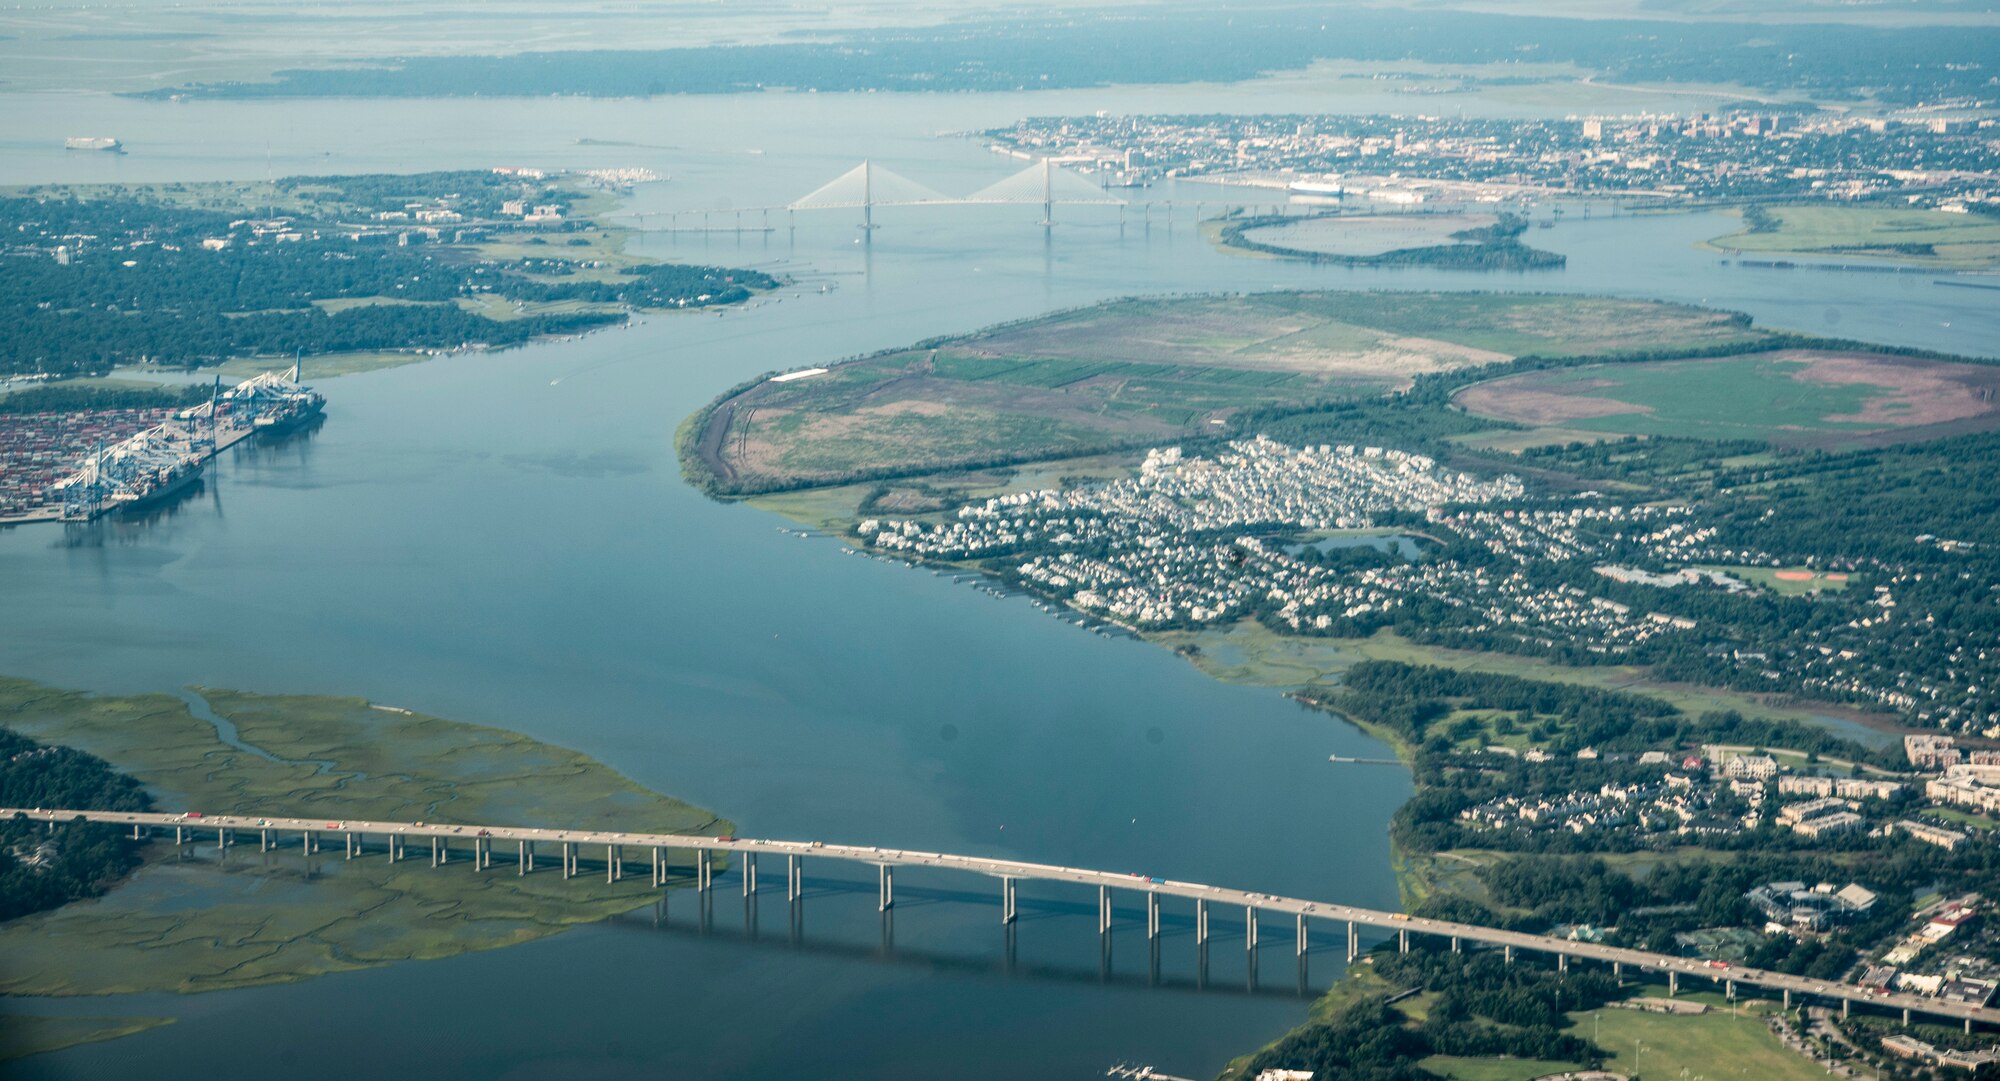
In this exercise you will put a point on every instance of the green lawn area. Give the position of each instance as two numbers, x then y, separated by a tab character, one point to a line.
1952	816
1456	1068
1250	653
1806	397
336	305
1733	398
1785	580
1923	236
1716	1045
500	309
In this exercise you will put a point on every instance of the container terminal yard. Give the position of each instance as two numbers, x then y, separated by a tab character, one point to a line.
75	467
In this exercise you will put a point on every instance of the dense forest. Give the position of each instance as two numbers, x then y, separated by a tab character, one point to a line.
1895	65
64	398
42	866
87	284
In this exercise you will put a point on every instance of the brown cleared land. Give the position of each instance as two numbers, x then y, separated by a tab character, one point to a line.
1142	372
1794	397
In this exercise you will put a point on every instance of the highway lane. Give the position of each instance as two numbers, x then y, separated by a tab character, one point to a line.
1019	870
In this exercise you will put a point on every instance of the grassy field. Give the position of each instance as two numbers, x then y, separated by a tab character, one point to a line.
1249	653
1722	1043
1929	237
1717	1045
1142	372
1457	1068
1788	581
1794	397
193	921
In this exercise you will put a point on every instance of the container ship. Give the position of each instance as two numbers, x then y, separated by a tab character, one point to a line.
157	463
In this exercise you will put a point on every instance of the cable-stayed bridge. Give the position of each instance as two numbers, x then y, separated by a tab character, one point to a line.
867	186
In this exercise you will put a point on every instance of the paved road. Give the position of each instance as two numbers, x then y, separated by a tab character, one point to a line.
1020	870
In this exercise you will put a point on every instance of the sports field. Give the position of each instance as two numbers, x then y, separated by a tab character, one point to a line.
1794	397
1720	1043
1142	372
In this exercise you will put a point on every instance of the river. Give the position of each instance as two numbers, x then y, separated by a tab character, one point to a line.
505	539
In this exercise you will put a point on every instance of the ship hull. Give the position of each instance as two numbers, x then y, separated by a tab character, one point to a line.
175	486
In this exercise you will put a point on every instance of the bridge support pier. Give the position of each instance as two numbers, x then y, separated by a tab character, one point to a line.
1968	1026
749	873
1507	954
1402	940
521	858
1302	934
179	839
611	867
1562	962
1007	908
310	843
795	878
221	839
568	859
349	838
1152	914
1103	910
1454	943
1788	998
1353	942
1250	928
434	851
1844	1004
1201	924
1729	990
704	873
888	887
1618	971
1673	984
1906	1017
135	831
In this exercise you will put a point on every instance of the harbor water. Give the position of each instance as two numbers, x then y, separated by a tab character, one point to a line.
505	538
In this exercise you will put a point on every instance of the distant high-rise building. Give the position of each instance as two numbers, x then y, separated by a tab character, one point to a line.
1593	129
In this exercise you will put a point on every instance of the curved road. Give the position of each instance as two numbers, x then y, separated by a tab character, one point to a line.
1303	910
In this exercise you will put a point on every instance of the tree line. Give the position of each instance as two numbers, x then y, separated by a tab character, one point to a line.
42	867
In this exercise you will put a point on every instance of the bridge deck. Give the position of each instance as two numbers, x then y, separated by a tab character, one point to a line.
1018	869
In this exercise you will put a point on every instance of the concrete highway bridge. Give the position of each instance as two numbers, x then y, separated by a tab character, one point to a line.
621	853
